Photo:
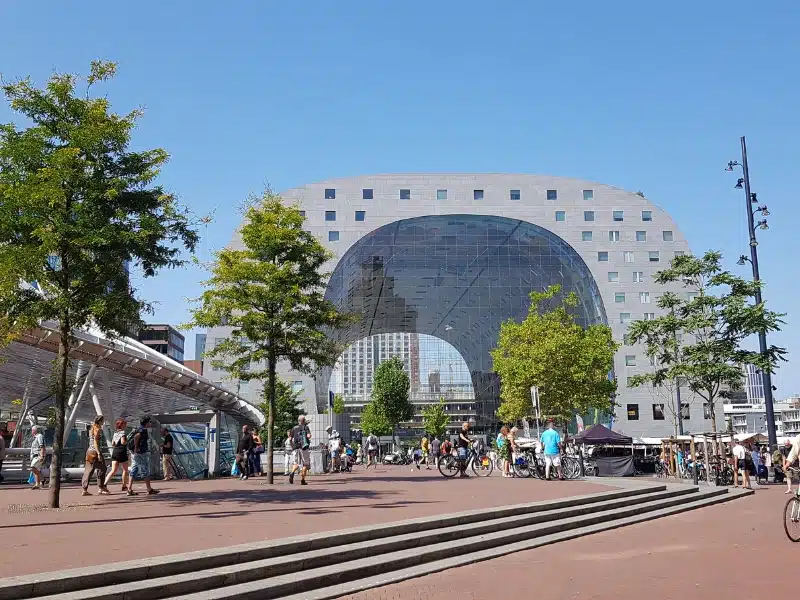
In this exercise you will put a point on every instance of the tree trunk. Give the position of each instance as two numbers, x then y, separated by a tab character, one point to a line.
717	443
62	365
272	365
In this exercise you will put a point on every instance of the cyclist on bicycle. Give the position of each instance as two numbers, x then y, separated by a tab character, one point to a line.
789	460
464	442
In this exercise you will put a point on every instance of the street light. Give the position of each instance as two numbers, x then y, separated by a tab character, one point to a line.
750	199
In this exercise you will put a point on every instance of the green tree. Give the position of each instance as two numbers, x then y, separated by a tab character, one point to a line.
435	418
338	404
390	392
569	364
77	206
698	340
373	421
272	293
288	407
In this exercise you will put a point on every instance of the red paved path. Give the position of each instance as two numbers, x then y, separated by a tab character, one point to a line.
733	550
208	514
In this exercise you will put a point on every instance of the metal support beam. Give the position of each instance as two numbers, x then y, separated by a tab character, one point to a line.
98	409
26	400
87	381
109	407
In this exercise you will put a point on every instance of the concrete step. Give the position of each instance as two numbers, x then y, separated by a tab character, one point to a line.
139	571
308	578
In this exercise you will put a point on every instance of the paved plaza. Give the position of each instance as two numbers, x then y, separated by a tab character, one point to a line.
189	516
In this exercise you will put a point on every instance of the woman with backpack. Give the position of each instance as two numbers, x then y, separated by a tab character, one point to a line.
119	454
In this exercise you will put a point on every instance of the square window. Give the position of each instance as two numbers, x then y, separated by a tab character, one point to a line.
405	194
602	256
561	215
552	195
333	236
613	276
633	412
367	194
630	360
619	297
613	236
667	236
658	412
653	256
647	215
588	215
360	214
638	277
641	236
477	194
588	195
330	215
644	297
649	316
330	194
618	216
302	213
515	194
441	194
586	236
692	295
624	318
628	257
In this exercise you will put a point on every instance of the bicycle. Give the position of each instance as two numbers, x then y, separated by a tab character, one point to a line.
791	512
450	465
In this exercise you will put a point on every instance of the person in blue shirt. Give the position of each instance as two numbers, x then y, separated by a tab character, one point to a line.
552	455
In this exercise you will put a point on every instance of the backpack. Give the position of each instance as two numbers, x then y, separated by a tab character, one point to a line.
132	441
300	439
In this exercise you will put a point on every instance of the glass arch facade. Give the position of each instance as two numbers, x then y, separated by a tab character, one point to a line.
456	277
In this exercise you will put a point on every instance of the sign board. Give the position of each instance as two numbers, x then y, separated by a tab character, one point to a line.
535	402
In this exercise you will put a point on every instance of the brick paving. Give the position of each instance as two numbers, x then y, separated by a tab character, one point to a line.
189	516
736	549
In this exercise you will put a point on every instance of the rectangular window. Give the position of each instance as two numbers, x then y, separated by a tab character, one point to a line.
515	194
618	216
630	360
330	194
638	277
588	195
360	214
602	256
588	215
613	276
667	235
297	386
649	316
367	194
654	257
685	412
586	236
658	412
692	295
613	236
706	410
477	194
333	236
647	215
302	213
441	194
624	318
330	215
552	195
405	194
641	236
633	412
644	297
619	297
628	257
561	215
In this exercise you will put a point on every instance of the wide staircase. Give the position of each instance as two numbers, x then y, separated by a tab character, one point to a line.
332	564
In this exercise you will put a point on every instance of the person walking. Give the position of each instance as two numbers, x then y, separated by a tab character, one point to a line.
243	450
504	450
372	450
301	441
436	450
140	461
334	449
288	453
166	455
38	452
255	455
552	458
425	448
119	454
95	461
464	442
740	465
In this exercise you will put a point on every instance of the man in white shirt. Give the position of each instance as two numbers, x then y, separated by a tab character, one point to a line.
38	452
740	465
789	461
334	447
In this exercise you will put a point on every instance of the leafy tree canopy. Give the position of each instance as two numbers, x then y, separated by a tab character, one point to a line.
435	418
390	391
288	407
373	421
338	404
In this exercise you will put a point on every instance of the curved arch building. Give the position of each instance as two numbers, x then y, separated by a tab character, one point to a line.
454	255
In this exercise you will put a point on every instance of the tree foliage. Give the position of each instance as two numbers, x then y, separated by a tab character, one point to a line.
272	293
373	421
77	208
338	405
390	392
569	364
698	340
435	418
288	407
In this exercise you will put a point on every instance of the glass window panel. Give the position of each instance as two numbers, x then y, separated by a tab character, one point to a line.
588	195
330	194
441	194
552	195
366	194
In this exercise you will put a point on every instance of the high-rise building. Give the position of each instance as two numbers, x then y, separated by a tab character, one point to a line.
164	339
199	346
356	368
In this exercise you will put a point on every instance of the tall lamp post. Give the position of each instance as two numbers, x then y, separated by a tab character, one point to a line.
750	201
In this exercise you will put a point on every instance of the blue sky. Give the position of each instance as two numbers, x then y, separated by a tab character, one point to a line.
645	96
